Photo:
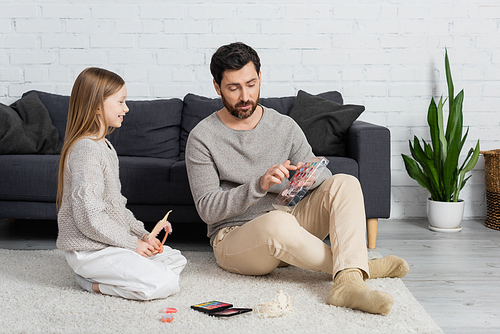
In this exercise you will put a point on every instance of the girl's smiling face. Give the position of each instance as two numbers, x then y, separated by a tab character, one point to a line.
115	107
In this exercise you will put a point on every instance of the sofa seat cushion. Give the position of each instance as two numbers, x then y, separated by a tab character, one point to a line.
342	165
180	193
29	177
145	180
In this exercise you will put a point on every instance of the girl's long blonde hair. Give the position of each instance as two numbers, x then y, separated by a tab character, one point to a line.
90	89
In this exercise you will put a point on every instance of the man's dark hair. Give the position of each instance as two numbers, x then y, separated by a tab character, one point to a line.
233	56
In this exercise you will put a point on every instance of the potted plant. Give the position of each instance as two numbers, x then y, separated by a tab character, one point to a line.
435	165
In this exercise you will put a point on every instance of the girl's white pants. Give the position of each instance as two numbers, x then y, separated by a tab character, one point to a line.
122	272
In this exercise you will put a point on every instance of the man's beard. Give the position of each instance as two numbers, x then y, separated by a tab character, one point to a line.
236	111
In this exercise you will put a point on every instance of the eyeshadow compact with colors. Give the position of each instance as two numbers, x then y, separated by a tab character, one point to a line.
219	309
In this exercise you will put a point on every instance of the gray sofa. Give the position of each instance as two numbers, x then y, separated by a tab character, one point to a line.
150	145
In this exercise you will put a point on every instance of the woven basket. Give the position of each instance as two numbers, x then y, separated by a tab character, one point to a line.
492	183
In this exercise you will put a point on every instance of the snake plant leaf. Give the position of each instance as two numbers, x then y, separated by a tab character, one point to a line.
473	159
449	173
449	80
455	119
415	172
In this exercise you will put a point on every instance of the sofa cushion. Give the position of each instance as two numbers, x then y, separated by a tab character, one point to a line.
145	180
26	128
57	106
325	123
29	177
150	129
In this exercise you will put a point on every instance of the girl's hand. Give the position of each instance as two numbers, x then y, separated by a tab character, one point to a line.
156	245
145	249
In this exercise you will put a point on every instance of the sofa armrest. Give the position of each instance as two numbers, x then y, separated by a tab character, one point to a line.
370	146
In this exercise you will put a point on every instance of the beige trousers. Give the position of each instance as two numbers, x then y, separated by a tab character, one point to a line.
335	208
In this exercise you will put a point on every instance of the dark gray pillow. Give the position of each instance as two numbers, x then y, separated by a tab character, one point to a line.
325	123
26	128
150	129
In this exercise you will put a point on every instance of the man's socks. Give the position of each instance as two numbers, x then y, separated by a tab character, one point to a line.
350	290
389	266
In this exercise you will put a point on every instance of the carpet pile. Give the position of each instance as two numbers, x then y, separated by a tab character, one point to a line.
38	294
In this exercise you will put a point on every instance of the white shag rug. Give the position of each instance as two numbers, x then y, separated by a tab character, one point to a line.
38	294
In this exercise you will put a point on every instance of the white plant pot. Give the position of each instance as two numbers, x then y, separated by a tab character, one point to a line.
445	216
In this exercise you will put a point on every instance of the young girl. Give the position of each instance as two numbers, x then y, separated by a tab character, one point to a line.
103	242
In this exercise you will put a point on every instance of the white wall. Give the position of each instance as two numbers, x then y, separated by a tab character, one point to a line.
386	55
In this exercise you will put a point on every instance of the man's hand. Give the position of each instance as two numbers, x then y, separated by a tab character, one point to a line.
275	175
145	249
310	180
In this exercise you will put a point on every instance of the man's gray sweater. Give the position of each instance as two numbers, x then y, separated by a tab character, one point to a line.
225	165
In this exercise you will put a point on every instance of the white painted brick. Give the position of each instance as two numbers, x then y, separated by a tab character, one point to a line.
11	74
235	27
88	26
122	12
315	12
144	57
5	26
17	90
330	74
37	26
380	26
280	74
488	11
157	11
32	58
137	90
278	27
311	58
63	41
413	12
263	12
159	75
187	27
331	26
72	11
113	41
354	42
402	41
8	10
161	41
354	74
268	58
478	26
356	12
180	57
182	74
59	75
34	75
17	41
81	58
212	12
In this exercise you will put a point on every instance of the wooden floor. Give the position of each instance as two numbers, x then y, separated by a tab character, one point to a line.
456	277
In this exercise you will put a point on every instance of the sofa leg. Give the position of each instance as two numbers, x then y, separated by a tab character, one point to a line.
371	227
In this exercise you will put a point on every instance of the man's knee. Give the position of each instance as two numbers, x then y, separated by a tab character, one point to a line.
338	181
281	226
